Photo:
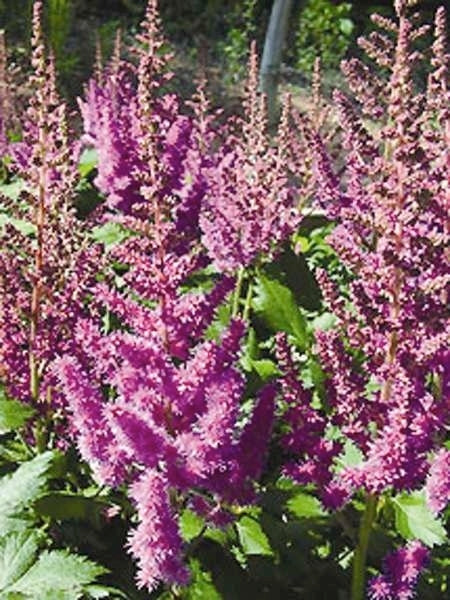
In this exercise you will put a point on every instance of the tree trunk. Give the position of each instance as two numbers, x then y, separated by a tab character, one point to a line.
273	49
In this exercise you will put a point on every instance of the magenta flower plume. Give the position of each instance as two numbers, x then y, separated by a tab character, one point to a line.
156	541
386	359
47	260
11	100
94	443
179	424
402	569
250	205
437	485
148	150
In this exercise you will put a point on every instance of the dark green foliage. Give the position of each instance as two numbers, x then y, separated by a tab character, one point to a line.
325	30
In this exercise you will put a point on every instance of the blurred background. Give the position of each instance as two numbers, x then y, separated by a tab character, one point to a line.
209	35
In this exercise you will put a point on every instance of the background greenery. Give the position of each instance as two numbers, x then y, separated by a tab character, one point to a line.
208	34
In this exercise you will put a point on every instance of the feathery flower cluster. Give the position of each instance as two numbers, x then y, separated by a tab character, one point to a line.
251	203
402	569
170	431
387	359
148	151
47	262
119	338
437	485
153	405
10	97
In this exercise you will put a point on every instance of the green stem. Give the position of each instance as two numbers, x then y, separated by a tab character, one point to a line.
248	301
359	560
237	292
41	436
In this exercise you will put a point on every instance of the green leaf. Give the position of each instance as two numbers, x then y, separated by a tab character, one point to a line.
351	456
88	161
252	538
17	554
20	224
414	520
190	525
324	322
13	414
110	233
57	574
201	586
97	592
19	489
265	368
12	190
220	323
346	26
63	506
276	304
305	505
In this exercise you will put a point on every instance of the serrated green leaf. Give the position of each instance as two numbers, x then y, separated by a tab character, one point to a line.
15	524
59	573
275	304
57	595
13	450
17	554
220	323
304	505
190	525
351	456
63	506
110	234
252	538
19	489
265	368
13	414
201	587
414	520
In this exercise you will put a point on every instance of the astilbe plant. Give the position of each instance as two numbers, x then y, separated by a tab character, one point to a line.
170	431
402	570
10	97
153	404
386	360
251	204
47	260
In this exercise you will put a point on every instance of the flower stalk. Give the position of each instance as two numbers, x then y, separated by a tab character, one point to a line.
360	556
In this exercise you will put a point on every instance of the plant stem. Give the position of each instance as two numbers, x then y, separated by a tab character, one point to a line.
237	292
248	301
359	560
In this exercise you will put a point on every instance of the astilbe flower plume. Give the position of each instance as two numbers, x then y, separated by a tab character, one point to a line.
154	405
140	132
10	97
47	263
402	569
387	358
437	485
150	161
169	430
251	203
